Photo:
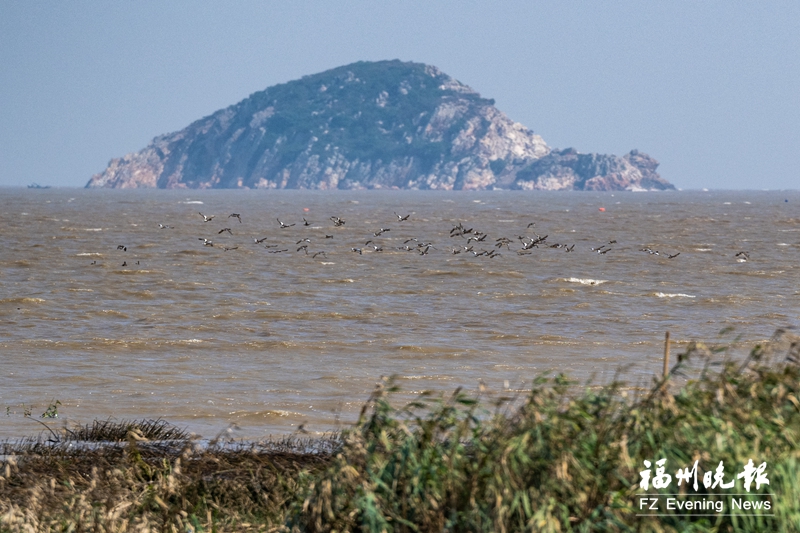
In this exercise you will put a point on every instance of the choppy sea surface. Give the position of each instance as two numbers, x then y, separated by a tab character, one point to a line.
114	316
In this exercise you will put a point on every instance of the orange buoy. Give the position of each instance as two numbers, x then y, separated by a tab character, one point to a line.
601	209
305	209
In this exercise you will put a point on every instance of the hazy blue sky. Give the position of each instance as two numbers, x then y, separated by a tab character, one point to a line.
710	89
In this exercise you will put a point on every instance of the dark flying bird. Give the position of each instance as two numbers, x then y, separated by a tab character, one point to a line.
284	225
205	218
236	215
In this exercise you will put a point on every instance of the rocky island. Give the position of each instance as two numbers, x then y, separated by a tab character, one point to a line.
370	125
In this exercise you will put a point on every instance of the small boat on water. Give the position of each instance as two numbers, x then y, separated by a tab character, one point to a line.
37	186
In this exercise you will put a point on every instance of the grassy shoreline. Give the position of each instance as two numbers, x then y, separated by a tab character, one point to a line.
567	458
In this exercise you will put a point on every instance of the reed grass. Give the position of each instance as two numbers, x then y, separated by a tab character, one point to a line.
564	458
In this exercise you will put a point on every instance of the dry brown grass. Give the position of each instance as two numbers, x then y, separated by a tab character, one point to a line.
140	484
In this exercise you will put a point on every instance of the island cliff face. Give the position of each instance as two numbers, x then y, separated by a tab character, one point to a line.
378	125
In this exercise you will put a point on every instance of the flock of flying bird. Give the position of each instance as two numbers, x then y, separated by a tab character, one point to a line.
470	241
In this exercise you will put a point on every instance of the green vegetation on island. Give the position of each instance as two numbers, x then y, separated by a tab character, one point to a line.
369	125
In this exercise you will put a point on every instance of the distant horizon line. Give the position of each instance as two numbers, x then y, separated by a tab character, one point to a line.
677	189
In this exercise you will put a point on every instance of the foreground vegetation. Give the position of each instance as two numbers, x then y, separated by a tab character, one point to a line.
559	458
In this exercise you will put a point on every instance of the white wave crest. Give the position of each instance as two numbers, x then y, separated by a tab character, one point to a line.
584	281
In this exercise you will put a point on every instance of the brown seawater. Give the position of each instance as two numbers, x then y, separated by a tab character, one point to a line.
206	337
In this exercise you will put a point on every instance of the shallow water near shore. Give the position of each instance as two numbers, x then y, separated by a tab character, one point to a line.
265	339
